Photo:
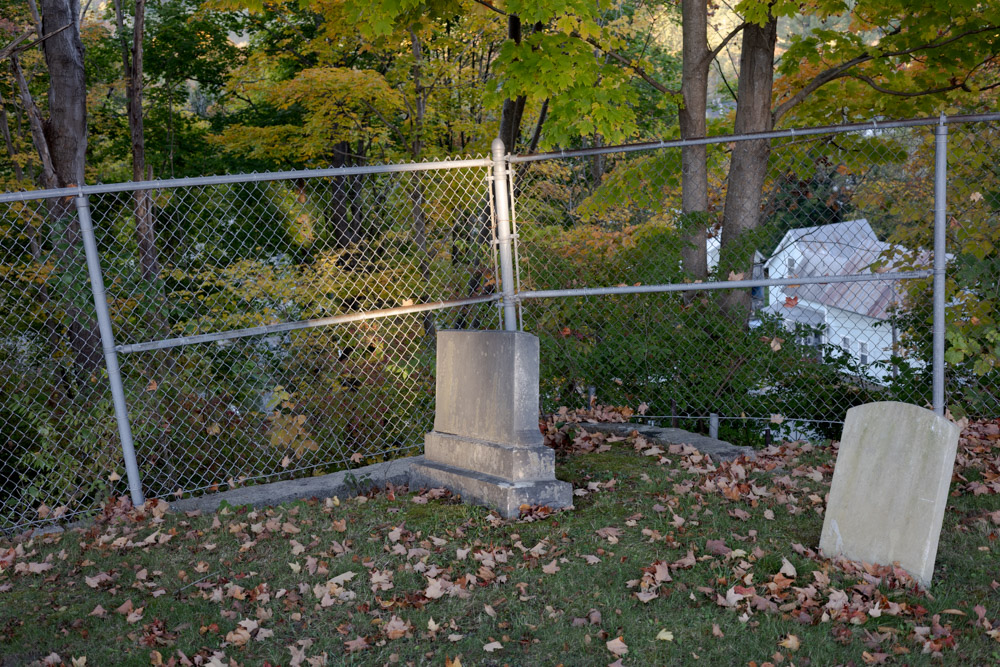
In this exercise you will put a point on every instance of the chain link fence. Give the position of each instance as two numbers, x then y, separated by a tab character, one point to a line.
800	355
281	325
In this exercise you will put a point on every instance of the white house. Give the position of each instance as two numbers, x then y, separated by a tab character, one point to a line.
853	316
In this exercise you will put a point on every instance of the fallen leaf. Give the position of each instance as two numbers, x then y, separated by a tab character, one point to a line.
354	645
665	635
551	568
396	628
617	647
717	547
791	642
493	646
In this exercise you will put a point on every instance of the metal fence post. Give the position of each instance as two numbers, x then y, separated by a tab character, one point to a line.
940	260
108	344
504	236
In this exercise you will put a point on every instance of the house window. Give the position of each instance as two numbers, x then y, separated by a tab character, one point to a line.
862	352
845	343
790	267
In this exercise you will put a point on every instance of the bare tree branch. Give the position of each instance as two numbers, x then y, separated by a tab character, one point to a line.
491	7
714	53
49	179
843	69
630	64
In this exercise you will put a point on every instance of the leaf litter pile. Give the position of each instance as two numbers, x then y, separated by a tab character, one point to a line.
667	557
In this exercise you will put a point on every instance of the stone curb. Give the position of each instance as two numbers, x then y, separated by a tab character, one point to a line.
341	483
720	450
346	483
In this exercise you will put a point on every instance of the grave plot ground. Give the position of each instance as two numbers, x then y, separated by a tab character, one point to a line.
667	558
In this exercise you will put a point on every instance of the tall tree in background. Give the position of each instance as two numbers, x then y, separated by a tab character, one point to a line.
132	67
63	145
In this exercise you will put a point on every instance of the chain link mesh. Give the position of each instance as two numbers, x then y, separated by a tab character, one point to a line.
59	445
793	358
283	403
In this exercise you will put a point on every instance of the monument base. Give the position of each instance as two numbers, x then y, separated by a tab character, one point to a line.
504	496
513	463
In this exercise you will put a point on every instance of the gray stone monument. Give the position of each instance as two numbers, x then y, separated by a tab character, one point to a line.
486	445
890	485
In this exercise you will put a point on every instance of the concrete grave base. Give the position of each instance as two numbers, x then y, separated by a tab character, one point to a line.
510	462
504	496
486	445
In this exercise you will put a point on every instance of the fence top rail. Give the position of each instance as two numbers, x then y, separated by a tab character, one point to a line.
225	179
873	125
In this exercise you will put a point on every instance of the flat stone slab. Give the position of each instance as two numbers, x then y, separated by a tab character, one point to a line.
720	450
504	496
510	462
341	483
890	487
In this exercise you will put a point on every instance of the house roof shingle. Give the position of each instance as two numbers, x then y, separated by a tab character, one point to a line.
839	249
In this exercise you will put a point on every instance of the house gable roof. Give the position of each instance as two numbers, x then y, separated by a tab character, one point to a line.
839	249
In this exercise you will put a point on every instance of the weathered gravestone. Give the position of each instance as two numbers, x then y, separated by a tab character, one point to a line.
890	485
486	445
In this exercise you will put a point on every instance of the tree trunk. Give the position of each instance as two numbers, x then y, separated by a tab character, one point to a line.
748	163
512	110
65	133
694	159
149	264
346	227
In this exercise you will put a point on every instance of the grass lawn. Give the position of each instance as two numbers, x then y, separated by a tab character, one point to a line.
667	558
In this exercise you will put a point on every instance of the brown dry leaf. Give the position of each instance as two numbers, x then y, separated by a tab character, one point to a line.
238	637
396	628
717	631
717	547
99	612
355	645
493	646
610	533
617	646
33	568
457	662
551	568
126	608
98	579
339	525
791	642
135	615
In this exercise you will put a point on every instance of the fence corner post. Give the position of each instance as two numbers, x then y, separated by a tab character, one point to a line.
110	351
502	221
940	262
